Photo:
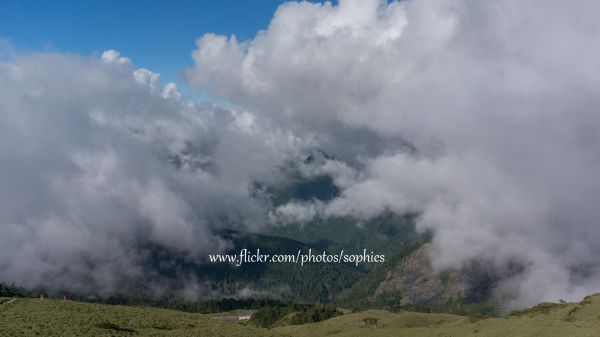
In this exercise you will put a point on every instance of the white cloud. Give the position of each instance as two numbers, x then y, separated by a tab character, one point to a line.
295	212
95	166
481	115
170	91
146	77
113	56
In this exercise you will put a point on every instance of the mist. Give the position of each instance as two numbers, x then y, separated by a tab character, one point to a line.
100	163
479	115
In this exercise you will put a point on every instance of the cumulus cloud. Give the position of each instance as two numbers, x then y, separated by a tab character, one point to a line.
113	56
99	162
480	115
146	77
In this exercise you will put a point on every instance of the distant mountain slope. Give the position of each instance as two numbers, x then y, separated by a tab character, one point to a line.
385	234
407	280
315	282
415	279
318	282
175	277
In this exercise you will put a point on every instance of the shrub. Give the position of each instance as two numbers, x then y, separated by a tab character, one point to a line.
268	316
314	314
271	316
369	321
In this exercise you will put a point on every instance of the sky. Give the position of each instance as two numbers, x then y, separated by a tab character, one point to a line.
480	116
158	34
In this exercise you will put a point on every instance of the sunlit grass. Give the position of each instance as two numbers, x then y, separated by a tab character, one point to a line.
35	317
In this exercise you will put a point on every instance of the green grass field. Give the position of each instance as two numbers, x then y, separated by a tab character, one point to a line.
35	317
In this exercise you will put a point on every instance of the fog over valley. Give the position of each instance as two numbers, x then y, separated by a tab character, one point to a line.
476	120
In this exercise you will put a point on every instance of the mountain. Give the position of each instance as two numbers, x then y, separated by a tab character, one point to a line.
416	281
405	279
315	282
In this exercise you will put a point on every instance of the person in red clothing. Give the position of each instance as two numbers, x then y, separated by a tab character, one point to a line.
65	297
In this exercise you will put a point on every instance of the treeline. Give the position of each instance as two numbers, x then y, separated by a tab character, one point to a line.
201	307
11	290
166	302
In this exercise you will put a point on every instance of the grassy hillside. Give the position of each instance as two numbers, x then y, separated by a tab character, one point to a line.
34	317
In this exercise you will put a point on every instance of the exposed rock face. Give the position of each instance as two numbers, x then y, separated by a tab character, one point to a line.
418	284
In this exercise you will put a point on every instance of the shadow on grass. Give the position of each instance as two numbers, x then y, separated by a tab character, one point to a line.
112	326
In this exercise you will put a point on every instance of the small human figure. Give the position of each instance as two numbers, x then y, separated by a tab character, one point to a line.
65	298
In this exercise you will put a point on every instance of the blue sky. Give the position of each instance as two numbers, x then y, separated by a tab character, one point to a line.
158	34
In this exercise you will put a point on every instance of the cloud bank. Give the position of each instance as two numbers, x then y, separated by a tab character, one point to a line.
99	161
480	115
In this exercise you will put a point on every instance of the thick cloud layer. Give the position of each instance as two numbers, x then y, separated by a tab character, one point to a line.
97	161
481	115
